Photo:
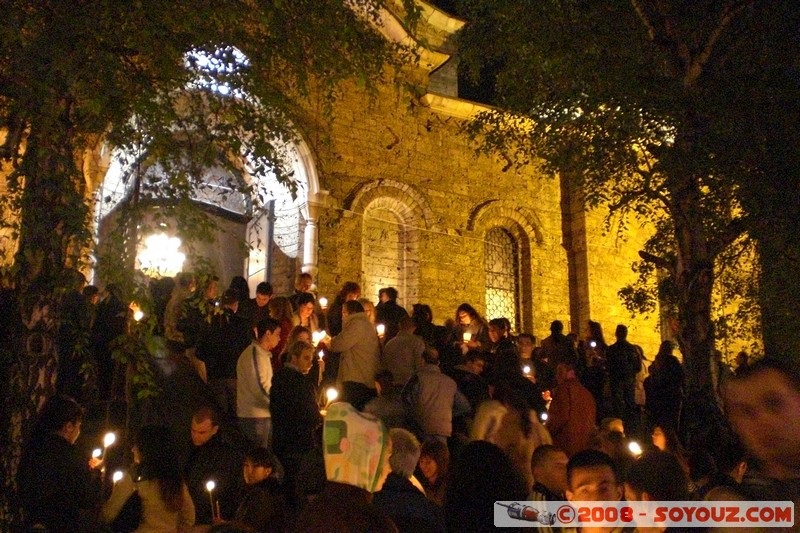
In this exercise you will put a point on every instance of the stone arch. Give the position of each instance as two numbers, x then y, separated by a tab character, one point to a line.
393	217
522	225
282	233
417	208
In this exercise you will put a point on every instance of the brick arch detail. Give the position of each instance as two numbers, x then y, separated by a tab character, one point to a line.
405	200
522	222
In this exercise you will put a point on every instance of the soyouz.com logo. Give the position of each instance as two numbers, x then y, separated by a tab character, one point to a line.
644	514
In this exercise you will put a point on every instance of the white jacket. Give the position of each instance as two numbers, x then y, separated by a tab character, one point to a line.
253	381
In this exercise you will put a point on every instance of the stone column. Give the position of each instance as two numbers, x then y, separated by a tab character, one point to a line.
311	235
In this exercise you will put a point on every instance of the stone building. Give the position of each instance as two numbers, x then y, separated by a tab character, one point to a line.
391	193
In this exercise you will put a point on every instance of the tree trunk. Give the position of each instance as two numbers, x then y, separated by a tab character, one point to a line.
694	281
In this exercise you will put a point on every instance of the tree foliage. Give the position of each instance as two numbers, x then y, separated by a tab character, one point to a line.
644	104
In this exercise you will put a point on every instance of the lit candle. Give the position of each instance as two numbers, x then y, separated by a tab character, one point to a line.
543	417
109	439
321	354
138	315
97	452
634	447
317	337
381	329
331	394
467	336
117	476
527	370
210	486
323	302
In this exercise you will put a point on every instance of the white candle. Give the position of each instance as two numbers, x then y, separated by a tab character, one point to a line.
210	486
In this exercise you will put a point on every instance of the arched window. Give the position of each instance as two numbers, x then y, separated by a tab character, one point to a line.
501	268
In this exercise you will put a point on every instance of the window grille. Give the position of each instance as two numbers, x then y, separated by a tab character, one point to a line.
502	276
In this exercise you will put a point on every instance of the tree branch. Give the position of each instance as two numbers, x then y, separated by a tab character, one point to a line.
728	13
658	261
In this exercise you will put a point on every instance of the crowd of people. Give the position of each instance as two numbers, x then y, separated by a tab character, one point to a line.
362	417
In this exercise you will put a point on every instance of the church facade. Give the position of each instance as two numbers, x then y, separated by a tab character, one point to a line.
390	192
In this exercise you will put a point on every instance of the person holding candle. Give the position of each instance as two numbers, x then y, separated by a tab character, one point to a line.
304	314
296	420
360	360
213	457
389	312
158	480
57	486
253	382
471	328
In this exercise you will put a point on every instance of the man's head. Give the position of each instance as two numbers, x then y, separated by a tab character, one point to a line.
211	287
622	332
497	329
526	342
762	402
301	355
204	425
591	477
388	294
230	300
185	281
549	467
407	324
268	333
263	293
565	371
405	452
352	307
303	282
476	362
556	327
656	476
258	465
612	424
61	415
430	356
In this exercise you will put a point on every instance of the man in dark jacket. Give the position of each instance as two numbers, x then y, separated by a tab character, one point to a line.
213	459
57	488
295	423
623	365
219	348
389	313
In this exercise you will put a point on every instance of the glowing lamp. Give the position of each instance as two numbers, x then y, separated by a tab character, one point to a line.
160	256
